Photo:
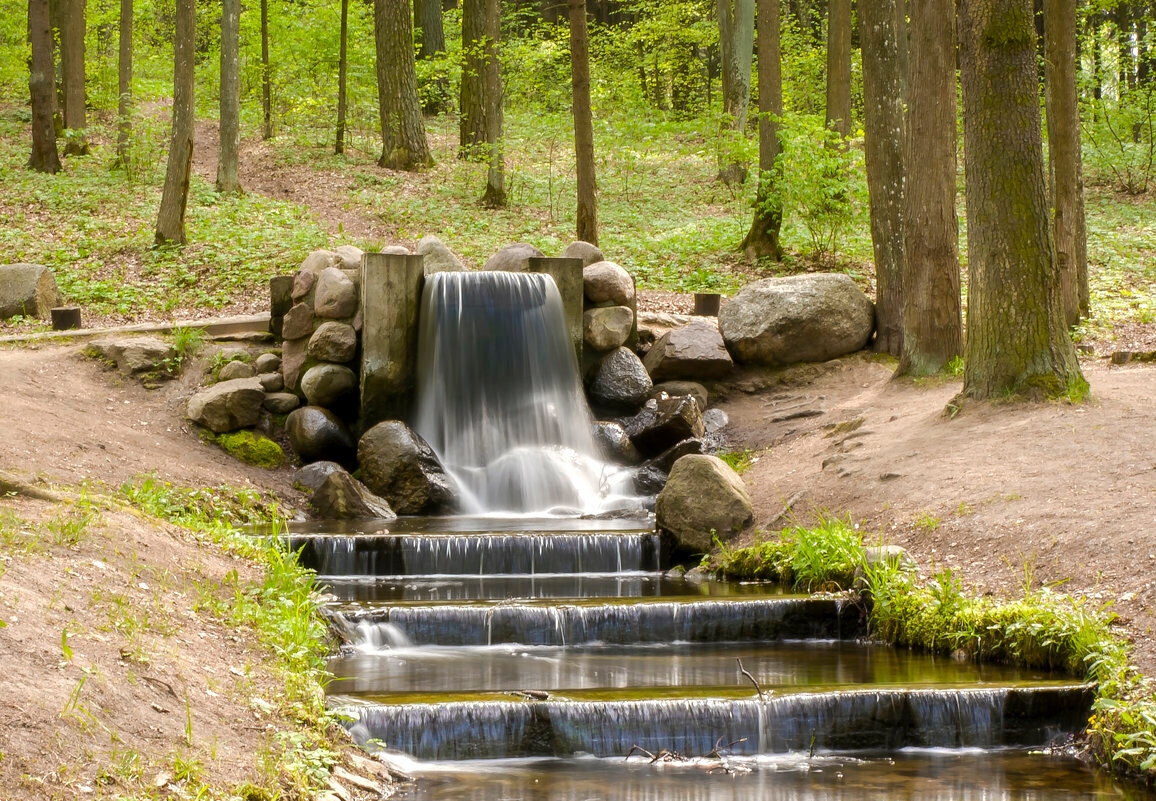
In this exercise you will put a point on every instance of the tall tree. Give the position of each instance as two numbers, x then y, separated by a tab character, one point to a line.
1017	343
72	29
839	66
481	93
762	241
403	141
342	75
932	326
1064	152
427	18
736	28
882	27
266	76
175	195
583	124
228	150
41	88
124	85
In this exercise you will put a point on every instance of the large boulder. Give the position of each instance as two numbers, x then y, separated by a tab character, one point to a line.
318	434
336	295
621	381
350	257
513	258
607	282
236	369
228	405
134	355
319	260
281	402
613	443
799	318
608	327
590	254
438	258
342	497
692	388
703	498
399	465
28	290
328	384
294	356
298	321
695	350
333	342
267	363
313	475
664	422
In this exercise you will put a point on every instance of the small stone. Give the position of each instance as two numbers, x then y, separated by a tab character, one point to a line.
715	420
236	369
350	257
281	402
333	342
614	444
437	258
336	295
327	384
590	254
513	258
319	260
313	475
316	434
298	322
621	381
396	250
692	388
294	355
607	328
267	363
134	355
342	497
664	422
271	382
606	281
228	405
303	283
665	460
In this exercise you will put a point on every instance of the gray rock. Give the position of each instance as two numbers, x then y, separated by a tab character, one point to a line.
313	475
649	480
320	260
237	369
608	327
281	402
271	382
714	420
606	281
134	355
664	422
28	290
396	250
267	363
799	318
316	434
437	257
665	460
399	465
350	257
590	254
703	497
336	295
696	350
614	444
294	355
304	282
342	497
298	321
692	388
621	381
333	342
327	384
513	258
228	406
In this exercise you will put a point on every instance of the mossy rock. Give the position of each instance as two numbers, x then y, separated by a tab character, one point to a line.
252	448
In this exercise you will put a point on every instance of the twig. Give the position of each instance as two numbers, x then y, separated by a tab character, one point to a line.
719	747
786	510
754	681
642	750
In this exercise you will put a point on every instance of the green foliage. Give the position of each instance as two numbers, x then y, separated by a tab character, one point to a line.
739	460
252	448
1121	137
187	342
821	556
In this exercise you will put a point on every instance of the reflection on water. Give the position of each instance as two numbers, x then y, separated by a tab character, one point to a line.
909	775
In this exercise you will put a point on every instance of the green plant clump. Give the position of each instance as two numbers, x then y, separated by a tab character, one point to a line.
823	556
252	448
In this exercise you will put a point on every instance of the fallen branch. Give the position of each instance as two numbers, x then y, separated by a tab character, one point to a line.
10	484
754	681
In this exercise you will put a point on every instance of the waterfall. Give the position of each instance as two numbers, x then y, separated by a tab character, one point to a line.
500	402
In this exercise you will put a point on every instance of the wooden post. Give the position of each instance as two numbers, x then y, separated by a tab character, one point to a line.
567	274
391	287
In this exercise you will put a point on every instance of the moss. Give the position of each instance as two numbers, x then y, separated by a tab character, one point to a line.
252	448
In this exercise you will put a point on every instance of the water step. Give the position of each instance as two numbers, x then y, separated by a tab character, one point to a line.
643	621
797	664
488	553
845	720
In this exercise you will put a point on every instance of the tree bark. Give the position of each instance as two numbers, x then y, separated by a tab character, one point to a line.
342	72
403	141
42	89
885	130
932	325
1017	343
229	147
266	76
762	241
427	18
124	85
72	29
491	67
1064	151
175	195
472	104
736	27
583	124
839	66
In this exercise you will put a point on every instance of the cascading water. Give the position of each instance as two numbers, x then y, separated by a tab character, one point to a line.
499	400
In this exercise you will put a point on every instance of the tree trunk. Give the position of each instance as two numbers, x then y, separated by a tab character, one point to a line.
175	196
472	102
885	129
736	28
932	327
266	75
72	28
839	66
491	68
1064	150
124	85
427	18
583	124
342	71
42	89
762	241
1017	343
229	147
403	142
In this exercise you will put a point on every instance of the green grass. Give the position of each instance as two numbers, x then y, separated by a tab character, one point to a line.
822	556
